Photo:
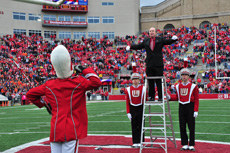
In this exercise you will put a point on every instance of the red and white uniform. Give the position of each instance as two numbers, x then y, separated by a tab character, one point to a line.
134	106
134	96
186	94
68	101
188	98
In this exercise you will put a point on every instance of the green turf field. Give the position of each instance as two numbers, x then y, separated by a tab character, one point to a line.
23	124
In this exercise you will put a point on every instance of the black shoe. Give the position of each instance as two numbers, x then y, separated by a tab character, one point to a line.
152	99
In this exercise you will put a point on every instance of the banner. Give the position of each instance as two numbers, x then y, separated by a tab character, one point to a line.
74	2
201	96
48	22
83	2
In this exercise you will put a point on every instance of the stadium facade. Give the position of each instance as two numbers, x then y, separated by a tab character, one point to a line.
86	18
176	13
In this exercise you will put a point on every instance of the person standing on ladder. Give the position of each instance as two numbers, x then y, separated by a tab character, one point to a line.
134	107
154	60
187	94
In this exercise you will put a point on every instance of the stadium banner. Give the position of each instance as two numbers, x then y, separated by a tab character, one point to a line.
83	2
68	6
65	23
201	96
74	2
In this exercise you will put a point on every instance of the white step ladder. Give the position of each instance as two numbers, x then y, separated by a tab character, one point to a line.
159	117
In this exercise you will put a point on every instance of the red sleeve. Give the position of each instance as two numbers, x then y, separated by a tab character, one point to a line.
174	97
93	82
196	99
127	102
34	95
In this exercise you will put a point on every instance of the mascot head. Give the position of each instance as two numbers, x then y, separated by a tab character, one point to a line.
61	61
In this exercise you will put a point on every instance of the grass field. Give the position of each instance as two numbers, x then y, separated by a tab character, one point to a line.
23	124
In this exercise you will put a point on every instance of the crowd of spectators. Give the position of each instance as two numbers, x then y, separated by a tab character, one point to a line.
25	61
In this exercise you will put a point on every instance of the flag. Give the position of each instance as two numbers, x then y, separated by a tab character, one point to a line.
72	2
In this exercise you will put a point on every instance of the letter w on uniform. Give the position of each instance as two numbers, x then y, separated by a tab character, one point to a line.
184	91
136	93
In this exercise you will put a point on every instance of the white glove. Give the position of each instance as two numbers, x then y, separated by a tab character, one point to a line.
129	116
174	37
195	114
128	48
168	96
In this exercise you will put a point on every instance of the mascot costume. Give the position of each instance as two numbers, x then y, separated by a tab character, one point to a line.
66	95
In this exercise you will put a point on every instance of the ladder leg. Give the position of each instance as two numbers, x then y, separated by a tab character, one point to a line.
170	118
152	126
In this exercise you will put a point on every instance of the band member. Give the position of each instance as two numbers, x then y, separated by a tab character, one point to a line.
66	95
134	107
187	94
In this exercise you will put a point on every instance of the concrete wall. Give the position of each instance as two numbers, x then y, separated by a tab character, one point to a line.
185	12
126	14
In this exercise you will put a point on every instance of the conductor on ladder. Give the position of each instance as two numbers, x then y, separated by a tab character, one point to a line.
154	60
134	107
187	95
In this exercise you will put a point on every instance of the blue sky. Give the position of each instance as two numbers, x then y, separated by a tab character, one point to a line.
149	2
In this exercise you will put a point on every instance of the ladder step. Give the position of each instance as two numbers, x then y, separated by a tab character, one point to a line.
155	114
146	143
162	137
153	128
152	103
161	125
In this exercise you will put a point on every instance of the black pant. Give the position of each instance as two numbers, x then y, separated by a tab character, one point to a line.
186	112
136	122
155	71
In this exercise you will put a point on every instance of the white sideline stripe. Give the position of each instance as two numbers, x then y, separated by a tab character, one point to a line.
18	148
206	122
29	123
100	115
17	132
34	109
105	114
224	134
199	133
8	118
32	128
48	123
37	143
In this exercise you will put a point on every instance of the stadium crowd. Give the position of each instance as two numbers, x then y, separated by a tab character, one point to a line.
25	61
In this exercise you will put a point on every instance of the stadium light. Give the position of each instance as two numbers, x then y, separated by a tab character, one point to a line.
43	2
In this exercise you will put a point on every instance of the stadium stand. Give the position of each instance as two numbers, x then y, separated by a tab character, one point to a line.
25	61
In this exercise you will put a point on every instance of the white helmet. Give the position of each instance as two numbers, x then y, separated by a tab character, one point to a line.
184	71
135	76
61	61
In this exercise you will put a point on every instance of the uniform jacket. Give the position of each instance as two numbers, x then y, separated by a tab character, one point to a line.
68	101
155	57
134	96
186	94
